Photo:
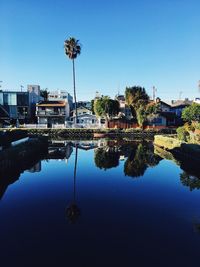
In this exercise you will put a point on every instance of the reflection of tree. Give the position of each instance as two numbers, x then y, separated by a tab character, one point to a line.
73	211
106	158
139	160
191	181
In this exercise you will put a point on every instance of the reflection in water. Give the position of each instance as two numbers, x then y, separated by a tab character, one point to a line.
106	158
190	176
191	181
15	160
139	156
73	211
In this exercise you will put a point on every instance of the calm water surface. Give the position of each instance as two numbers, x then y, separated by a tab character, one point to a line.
100	204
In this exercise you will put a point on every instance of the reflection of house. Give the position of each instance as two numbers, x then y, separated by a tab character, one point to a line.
59	150
52	112
87	145
85	118
4	116
36	167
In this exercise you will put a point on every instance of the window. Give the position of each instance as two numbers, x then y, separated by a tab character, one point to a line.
157	120
1	98
10	99
22	99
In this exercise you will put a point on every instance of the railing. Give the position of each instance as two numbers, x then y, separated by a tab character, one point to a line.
50	113
58	126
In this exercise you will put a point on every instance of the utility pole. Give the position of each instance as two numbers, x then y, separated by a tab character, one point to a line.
180	95
21	87
154	93
1	84
199	86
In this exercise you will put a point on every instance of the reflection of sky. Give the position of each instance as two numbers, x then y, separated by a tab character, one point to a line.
132	214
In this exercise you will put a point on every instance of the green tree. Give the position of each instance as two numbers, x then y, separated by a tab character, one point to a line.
106	107
137	99
141	116
191	113
92	106
136	96
72	50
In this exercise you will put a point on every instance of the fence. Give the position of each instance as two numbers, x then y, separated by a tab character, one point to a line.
34	126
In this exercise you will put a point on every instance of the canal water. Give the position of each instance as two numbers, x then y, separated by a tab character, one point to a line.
100	203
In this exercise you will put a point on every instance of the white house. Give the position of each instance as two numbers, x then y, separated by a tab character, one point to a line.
85	118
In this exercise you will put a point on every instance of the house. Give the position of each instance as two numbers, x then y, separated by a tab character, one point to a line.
125	110
197	100
85	118
163	106
178	106
16	104
61	95
34	97
162	119
85	104
52	112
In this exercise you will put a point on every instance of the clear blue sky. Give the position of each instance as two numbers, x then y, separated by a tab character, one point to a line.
124	43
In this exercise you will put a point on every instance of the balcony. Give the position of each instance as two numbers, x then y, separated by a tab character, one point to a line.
50	113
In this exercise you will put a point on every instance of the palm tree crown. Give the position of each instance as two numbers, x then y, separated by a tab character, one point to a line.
72	48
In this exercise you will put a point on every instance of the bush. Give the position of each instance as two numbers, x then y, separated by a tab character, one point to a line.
182	134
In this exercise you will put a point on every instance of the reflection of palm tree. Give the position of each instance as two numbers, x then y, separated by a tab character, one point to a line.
73	212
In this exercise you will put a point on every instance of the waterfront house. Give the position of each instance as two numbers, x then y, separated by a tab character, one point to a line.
16	104
85	118
61	95
52	113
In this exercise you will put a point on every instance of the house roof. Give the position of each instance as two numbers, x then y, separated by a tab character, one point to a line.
152	102
81	107
51	104
85	115
120	97
181	103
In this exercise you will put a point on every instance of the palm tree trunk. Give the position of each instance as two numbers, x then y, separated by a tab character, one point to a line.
74	90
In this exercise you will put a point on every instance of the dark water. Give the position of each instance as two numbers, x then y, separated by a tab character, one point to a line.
100	204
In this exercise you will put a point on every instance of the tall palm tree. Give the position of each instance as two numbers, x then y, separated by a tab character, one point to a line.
72	50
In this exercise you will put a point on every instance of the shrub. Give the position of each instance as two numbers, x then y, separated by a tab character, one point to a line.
182	134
